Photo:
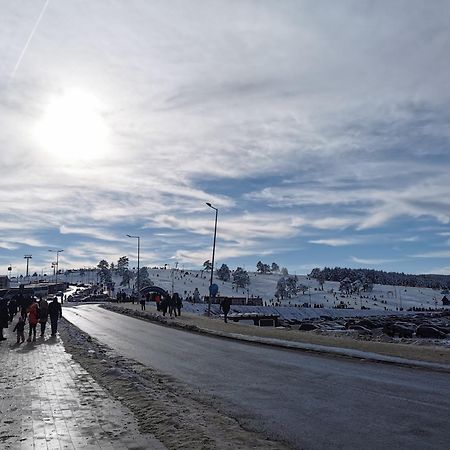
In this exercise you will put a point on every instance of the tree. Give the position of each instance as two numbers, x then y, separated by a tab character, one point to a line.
346	285
103	264
105	272
319	275
122	265
281	291
262	268
207	265
241	278
284	271
275	267
144	278
291	284
224	273
143	273
303	288
127	276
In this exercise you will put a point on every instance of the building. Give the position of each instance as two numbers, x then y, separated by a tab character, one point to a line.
4	282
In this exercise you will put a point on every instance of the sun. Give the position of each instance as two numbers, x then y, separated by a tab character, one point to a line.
73	128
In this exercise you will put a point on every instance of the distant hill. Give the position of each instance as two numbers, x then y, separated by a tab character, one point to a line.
433	281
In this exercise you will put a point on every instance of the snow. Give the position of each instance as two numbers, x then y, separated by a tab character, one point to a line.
382	300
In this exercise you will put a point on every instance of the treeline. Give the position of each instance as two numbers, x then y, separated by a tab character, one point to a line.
381	277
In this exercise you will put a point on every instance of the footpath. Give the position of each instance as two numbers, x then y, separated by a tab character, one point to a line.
427	357
48	401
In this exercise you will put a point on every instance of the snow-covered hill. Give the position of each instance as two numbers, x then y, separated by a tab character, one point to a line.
382	298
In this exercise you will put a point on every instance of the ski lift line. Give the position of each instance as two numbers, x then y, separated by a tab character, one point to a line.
30	37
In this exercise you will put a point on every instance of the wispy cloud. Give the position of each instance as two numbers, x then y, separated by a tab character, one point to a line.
372	262
433	254
334	242
287	153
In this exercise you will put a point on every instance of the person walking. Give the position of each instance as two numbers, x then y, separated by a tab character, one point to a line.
173	304
4	317
158	302
196	296
164	304
19	329
43	315
179	303
55	313
142	302
225	306
33	319
12	309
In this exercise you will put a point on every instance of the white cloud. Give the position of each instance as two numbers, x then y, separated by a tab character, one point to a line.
433	254
188	122
374	262
334	242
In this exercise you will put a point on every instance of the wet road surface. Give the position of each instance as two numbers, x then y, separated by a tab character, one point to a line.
311	402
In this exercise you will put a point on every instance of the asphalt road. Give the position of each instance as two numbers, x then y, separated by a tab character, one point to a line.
310	402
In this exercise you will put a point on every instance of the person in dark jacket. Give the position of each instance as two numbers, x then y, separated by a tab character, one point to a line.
164	304
179	303
55	313
12	309
20	329
4	317
43	315
225	306
173	304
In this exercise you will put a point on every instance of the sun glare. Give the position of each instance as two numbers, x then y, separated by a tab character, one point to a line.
73	128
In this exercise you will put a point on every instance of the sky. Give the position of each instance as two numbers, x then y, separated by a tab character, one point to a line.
319	129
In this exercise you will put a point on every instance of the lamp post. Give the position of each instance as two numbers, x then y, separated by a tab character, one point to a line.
138	251
27	257
213	254
57	265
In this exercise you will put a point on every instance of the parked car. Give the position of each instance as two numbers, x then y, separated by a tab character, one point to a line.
96	298
75	298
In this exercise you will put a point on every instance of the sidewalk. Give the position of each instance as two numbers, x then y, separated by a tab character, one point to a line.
400	354
47	401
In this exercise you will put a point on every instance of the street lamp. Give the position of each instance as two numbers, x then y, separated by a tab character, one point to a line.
138	251
27	257
57	264
213	254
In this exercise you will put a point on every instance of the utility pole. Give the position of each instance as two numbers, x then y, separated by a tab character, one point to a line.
57	266
213	254
27	257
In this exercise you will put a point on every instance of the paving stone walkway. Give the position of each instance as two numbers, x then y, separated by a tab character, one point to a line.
47	401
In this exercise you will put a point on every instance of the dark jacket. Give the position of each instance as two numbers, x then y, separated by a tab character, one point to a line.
54	310
225	305
4	314
20	325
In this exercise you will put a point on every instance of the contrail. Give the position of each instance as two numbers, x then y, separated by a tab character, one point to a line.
22	53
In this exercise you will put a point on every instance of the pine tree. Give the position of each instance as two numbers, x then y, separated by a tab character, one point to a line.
224	273
241	278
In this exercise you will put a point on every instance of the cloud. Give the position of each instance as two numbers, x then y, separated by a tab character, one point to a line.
409	239
333	242
95	233
8	246
433	254
282	147
372	262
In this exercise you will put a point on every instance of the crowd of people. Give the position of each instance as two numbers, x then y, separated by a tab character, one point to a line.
32	310
171	304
